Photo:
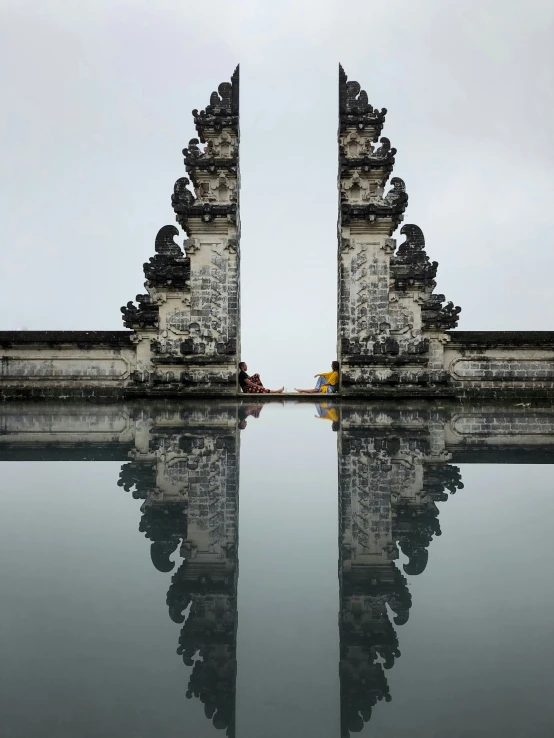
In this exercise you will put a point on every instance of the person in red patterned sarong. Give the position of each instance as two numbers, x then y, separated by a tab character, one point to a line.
253	384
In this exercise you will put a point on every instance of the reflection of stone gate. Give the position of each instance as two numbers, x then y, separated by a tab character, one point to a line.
394	467
185	467
395	464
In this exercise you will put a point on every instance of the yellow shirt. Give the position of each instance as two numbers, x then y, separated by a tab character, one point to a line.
330	378
331	414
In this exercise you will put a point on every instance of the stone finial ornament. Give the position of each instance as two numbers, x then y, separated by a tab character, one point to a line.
182	197
223	110
354	107
384	150
435	314
145	315
411	266
397	195
165	245
169	267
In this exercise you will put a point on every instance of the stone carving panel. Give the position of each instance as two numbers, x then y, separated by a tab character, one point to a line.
499	370
77	367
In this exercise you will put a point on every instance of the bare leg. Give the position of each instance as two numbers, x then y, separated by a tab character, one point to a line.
277	392
312	391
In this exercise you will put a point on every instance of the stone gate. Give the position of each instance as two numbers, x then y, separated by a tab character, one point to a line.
396	334
184	331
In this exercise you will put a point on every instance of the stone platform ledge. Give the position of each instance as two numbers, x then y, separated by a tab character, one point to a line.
502	339
86	339
288	396
397	391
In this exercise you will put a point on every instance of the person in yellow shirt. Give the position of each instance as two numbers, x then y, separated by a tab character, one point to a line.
325	411
326	382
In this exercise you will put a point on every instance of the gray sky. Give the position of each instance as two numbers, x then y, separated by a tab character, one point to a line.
96	109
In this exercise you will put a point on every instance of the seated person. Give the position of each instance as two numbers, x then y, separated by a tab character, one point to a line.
253	384
326	411
245	411
326	382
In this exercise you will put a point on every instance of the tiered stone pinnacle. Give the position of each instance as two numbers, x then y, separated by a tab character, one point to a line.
187	325
390	324
213	171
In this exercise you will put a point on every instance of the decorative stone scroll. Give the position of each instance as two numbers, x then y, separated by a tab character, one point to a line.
391	325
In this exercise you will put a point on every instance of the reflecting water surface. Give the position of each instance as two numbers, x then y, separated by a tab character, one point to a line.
125	611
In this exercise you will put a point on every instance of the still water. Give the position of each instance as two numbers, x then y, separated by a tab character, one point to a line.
280	570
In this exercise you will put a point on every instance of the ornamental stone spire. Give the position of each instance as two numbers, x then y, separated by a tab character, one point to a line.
187	325
391	327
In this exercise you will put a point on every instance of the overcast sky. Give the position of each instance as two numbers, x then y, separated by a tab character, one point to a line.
96	103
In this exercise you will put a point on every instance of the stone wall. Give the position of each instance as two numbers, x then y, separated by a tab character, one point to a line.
70	364
500	364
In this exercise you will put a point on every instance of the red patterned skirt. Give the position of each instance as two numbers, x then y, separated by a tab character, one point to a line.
258	389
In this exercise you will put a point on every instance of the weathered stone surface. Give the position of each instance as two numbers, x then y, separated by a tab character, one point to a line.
390	323
72	364
501	364
187	326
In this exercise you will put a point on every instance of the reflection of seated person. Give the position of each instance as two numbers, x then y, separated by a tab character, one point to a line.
328	412
253	384
326	382
246	411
